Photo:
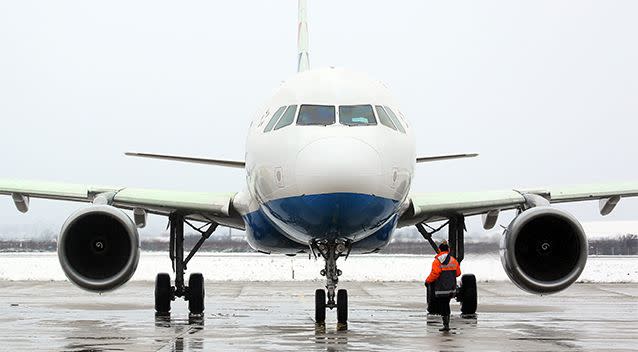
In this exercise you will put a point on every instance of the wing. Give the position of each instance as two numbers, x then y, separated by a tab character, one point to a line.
203	206
438	206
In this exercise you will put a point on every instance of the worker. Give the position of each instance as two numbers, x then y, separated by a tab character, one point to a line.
442	279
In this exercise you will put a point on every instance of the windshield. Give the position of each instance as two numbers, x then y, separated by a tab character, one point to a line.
316	115
356	115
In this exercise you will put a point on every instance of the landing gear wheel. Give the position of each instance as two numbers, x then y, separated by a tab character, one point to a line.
342	307
320	306
163	293
468	294
196	293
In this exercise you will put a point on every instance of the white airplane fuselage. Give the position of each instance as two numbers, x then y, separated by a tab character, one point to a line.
341	180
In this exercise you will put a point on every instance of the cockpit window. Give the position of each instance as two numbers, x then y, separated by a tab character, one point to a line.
394	119
274	118
384	118
287	118
316	115
356	115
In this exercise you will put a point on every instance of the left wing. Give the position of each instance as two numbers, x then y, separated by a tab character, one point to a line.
425	207
202	206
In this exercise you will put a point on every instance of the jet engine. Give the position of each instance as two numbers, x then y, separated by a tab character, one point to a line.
544	250
98	248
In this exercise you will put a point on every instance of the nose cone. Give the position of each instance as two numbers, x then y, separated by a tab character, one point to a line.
337	181
338	165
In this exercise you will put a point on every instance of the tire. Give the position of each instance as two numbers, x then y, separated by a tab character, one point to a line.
342	306
163	294
196	293
320	306
469	295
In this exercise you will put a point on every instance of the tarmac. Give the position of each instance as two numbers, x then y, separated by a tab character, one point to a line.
264	316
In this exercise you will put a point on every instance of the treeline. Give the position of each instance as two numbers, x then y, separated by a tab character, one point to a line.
623	245
422	247
225	245
152	245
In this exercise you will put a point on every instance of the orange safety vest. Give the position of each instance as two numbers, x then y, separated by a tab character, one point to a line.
438	266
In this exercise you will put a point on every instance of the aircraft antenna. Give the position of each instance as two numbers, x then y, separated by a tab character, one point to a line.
303	60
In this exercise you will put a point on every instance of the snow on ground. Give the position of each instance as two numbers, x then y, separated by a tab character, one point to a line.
260	267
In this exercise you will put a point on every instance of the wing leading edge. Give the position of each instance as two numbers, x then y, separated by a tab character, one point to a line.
437	206
204	206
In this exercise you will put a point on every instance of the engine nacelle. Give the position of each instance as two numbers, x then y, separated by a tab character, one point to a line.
544	250
98	248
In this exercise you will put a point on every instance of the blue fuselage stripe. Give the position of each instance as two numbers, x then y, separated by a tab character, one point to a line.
292	221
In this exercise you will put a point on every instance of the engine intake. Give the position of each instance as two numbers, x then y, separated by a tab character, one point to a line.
544	250
98	248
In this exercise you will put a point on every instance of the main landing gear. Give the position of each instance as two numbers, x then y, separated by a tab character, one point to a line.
466	293
330	251
193	293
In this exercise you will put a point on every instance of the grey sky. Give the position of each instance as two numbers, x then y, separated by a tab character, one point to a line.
546	91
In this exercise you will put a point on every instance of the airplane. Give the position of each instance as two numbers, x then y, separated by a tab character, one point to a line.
329	166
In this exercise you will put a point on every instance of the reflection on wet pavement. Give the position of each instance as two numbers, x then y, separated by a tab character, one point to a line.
278	316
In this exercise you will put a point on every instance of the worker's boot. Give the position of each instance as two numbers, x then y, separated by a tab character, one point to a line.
446	323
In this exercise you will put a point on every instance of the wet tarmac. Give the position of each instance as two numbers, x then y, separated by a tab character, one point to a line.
279	316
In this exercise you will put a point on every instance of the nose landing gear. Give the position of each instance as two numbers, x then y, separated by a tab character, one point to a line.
331	298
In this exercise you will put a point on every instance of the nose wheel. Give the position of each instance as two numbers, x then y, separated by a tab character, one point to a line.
320	306
341	305
330	298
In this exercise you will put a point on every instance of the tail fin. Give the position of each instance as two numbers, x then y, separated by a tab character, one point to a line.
303	60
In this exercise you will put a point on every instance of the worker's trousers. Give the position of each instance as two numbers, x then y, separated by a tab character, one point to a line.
444	305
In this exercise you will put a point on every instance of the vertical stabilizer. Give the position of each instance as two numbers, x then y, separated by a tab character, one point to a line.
303	60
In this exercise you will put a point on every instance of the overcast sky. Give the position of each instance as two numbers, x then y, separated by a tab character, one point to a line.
545	91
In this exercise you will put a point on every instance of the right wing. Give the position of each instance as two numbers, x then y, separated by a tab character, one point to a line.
201	206
426	207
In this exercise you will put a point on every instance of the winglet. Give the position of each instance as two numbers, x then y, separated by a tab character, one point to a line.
425	159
